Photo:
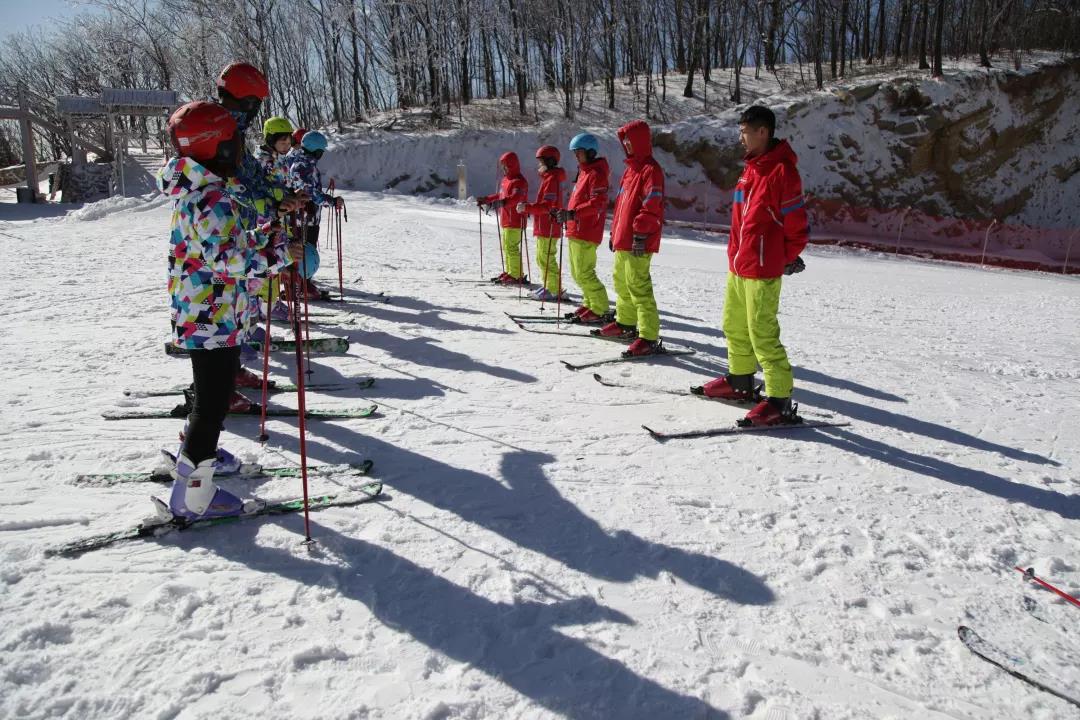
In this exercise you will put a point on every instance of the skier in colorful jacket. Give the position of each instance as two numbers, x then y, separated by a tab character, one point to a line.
768	232
584	216
546	230
304	177
635	237
513	189
212	257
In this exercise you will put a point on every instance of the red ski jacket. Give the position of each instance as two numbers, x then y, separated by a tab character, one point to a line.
639	206
513	189
768	220
589	202
548	198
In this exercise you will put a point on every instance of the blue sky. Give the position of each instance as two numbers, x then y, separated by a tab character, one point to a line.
20	15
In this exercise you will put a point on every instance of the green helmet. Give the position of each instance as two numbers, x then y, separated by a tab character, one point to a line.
276	126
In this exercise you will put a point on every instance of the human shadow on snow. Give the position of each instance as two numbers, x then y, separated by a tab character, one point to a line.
515	643
528	510
1067	506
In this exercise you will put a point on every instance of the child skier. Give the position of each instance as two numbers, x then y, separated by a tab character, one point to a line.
513	189
277	141
768	231
635	237
584	218
211	260
304	177
241	89
545	229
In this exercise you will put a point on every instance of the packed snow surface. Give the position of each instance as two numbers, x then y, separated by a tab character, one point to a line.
538	555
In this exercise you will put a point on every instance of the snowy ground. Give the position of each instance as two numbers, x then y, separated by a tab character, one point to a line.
538	554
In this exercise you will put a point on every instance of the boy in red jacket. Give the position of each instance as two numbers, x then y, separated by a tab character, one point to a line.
584	219
768	231
545	229
635	237
513	189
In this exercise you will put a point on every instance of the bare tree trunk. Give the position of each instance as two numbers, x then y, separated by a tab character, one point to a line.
939	31
924	29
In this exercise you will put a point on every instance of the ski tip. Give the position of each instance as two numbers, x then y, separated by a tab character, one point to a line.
569	365
653	433
697	390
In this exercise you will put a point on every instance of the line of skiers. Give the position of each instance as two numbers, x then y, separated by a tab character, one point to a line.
768	232
232	228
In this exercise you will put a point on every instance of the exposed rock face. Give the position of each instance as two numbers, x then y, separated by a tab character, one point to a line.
977	145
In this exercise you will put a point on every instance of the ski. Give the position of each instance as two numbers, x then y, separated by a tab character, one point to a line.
272	387
607	382
553	318
1013	665
325	345
152	529
737	429
574	333
182	411
162	475
608	361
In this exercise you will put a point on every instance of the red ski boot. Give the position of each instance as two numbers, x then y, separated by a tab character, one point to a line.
588	317
772	411
735	388
247	379
616	331
240	405
642	347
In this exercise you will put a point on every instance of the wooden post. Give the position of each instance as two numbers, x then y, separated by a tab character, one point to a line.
28	145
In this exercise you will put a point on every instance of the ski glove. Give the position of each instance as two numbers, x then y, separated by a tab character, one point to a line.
562	216
497	204
637	249
795	266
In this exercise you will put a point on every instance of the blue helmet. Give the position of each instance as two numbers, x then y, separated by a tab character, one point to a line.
586	142
313	141
310	263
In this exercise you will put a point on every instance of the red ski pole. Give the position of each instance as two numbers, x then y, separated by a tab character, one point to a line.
340	270
1029	574
558	301
298	279
480	215
263	437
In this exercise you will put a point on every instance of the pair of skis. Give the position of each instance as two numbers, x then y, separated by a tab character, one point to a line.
661	435
182	411
272	387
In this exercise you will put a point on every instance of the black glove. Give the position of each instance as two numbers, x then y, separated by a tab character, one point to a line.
480	202
795	266
637	249
563	215
497	204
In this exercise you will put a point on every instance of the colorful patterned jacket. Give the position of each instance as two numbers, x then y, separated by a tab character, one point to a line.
212	256
304	176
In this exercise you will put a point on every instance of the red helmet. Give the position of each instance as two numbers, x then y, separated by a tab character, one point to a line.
548	151
298	135
243	80
199	128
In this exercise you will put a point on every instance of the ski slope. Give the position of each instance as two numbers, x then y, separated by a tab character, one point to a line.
538	555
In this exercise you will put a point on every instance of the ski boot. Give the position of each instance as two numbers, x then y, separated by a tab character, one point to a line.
642	347
772	411
247	379
588	317
616	331
195	496
734	388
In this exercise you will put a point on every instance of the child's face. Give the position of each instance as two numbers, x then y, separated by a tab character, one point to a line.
504	169
628	147
755	140
541	166
581	157
283	145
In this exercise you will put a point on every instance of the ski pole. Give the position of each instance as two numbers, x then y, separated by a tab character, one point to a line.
263	437
307	310
1029	574
547	266
302	408
525	239
480	216
521	264
558	299
340	272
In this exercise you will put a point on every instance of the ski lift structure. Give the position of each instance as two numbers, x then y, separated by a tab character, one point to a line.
114	104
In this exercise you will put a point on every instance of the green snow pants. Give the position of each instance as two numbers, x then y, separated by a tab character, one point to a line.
635	304
583	269
753	332
547	264
511	245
